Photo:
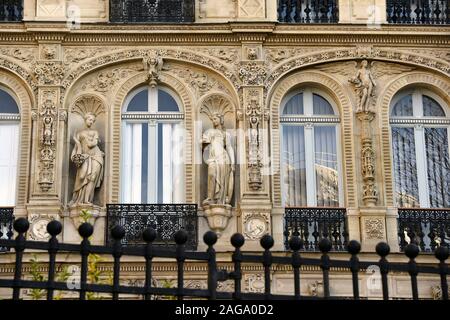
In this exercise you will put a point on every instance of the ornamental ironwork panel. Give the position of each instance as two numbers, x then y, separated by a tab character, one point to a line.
427	228
11	10
166	219
308	11
6	225
147	11
418	11
314	224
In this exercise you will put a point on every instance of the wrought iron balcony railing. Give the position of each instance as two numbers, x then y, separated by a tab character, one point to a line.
6	225
418	11
427	228
151	11
315	224
166	219
11	10
308	11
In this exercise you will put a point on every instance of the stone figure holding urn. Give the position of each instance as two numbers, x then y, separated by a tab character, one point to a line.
89	160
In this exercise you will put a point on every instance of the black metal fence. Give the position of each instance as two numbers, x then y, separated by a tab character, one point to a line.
151	11
418	11
181	255
308	11
6	224
11	10
166	219
313	224
427	228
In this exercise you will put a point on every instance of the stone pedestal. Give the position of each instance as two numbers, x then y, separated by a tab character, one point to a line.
373	227
72	220
218	216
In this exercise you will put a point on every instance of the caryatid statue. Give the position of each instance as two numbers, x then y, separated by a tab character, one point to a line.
365	83
220	163
220	160
89	160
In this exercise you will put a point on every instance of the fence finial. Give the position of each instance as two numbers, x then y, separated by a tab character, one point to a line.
210	238
86	230
382	249
118	232
412	251
237	240
267	241
149	235
295	243
354	247
181	237
325	245
441	253
21	225
54	228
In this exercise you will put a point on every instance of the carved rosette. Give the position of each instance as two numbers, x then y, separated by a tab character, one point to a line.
370	192
252	73
49	73
47	117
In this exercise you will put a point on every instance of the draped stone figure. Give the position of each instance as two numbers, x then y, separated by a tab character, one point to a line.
220	163
365	84
89	160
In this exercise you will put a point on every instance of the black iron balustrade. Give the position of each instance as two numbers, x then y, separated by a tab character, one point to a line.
151	11
6	225
314	224
166	219
308	11
11	10
267	259
427	228
418	11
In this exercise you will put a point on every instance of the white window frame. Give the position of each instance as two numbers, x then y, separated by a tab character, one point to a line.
152	117
12	119
419	122
309	121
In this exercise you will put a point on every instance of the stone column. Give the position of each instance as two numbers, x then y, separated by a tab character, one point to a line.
255	207
48	136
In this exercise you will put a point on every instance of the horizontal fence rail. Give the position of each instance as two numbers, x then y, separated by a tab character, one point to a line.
314	224
308	11
6	225
181	255
418	11
166	219
151	11
427	228
11	10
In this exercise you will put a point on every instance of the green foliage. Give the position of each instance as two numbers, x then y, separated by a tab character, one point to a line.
36	275
85	215
166	283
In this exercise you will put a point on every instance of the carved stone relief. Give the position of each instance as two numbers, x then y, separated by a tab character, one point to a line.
49	73
254	283
374	228
22	54
256	224
251	8
47	139
38	223
252	73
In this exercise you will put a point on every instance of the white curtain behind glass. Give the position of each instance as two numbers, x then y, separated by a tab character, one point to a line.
9	145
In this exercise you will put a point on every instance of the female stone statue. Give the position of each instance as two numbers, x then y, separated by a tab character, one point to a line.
88	158
220	163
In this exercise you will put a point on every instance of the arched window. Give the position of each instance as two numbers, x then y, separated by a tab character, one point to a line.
152	147
309	158
420	129
9	146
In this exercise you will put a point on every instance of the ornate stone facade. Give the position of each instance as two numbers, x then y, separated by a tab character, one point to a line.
251	64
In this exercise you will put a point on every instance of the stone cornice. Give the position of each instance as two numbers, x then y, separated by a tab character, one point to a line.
270	33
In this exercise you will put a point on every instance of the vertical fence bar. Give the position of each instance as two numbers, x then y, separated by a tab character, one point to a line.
181	238
412	251
117	233
210	238
237	241
21	225
267	242
354	248
53	228
85	230
325	246
383	250
149	235
296	244
442	254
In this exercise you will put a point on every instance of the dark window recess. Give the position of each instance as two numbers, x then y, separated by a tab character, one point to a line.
426	228
11	10
166	219
308	11
151	11
314	224
418	11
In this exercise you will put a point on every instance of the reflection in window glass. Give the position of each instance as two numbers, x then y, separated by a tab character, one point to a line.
139	103
7	103
403	107
431	108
